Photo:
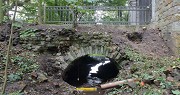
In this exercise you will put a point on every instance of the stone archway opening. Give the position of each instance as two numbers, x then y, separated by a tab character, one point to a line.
90	70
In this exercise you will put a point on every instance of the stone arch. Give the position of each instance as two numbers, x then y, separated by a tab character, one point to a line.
77	51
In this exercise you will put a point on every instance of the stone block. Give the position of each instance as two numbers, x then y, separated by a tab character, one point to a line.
90	50
118	56
82	51
168	1
176	40
102	50
176	2
177	16
71	58
176	26
106	52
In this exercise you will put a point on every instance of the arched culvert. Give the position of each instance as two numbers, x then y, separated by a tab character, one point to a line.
90	70
62	61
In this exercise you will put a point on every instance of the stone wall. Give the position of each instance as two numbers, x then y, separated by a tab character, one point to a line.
166	17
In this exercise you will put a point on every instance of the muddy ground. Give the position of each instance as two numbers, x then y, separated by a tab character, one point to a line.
39	83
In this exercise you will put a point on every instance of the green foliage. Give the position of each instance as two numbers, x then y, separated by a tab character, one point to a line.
1	12
28	33
17	24
114	91
134	56
22	66
152	92
29	9
14	77
176	92
147	68
25	65
16	93
115	2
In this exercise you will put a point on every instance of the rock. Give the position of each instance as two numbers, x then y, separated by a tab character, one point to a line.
34	75
48	38
16	86
132	84
36	48
157	82
41	78
22	85
170	79
57	84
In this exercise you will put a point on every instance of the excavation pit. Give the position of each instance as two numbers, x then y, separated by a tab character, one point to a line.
90	70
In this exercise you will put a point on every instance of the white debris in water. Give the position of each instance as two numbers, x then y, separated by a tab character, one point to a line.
95	68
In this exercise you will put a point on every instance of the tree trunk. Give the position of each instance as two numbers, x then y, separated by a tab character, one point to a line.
75	13
40	7
56	3
1	12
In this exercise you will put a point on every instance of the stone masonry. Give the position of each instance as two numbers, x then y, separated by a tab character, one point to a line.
166	17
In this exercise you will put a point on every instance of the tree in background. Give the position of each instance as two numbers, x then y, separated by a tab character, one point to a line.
32	10
1	12
40	9
116	3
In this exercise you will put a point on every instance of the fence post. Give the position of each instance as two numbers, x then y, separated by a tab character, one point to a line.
44	14
75	12
134	15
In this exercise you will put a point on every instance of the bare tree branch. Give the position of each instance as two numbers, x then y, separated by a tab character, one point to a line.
8	52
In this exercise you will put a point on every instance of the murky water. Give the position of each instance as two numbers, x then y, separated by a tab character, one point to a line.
90	70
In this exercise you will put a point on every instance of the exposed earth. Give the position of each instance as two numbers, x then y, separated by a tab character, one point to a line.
46	79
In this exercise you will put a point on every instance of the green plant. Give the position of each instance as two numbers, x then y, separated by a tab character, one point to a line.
134	56
151	92
114	91
25	34
147	68
176	92
17	24
14	77
25	65
16	93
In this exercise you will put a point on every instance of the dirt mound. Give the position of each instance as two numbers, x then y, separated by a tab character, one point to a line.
148	42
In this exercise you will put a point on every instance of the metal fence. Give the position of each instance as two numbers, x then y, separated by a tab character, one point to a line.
123	15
